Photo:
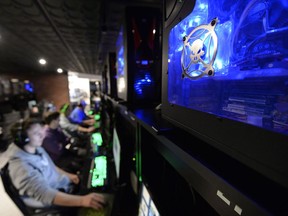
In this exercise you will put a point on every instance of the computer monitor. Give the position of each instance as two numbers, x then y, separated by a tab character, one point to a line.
28	86
146	206
116	152
121	64
6	87
15	84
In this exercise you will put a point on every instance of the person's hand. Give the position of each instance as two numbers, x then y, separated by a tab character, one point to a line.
93	200
74	178
91	129
91	121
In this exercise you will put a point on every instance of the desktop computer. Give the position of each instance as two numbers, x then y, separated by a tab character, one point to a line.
138	57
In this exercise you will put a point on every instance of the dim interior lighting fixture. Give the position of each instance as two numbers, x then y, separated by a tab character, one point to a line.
121	85
42	61
60	70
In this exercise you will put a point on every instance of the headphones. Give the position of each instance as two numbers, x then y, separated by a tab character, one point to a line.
64	108
21	137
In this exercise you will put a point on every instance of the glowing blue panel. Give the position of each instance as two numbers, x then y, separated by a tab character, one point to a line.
29	87
144	62
143	82
120	54
250	80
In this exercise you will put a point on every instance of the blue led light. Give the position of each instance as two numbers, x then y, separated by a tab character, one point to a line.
251	67
144	62
140	83
29	87
120	54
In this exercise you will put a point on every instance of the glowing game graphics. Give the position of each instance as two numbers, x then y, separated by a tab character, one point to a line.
199	51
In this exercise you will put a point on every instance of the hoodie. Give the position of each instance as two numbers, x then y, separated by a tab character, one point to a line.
35	175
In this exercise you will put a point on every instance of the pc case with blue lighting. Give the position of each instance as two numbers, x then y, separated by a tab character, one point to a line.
138	51
225	78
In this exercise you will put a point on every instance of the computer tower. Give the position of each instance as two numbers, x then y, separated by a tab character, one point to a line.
225	78
138	51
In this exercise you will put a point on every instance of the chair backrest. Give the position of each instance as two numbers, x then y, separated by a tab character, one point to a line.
12	191
14	195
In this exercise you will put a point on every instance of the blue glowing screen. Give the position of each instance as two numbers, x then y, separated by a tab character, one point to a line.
235	68
29	87
120	53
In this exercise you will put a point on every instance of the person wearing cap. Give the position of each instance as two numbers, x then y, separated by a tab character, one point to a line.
79	116
55	143
71	129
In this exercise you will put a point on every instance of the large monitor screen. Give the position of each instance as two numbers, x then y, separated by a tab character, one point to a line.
116	152
146	205
225	74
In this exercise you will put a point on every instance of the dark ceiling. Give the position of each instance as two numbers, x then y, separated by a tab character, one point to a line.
74	35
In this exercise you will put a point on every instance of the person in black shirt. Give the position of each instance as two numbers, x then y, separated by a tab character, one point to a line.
55	143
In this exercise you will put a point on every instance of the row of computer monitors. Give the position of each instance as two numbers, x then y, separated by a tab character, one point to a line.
15	87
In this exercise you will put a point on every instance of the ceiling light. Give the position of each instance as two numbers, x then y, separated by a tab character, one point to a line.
59	70
42	61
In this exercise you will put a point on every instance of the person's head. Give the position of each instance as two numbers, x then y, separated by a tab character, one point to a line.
52	119
82	104
30	131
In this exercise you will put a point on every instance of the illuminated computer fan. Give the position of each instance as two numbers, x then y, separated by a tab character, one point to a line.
199	51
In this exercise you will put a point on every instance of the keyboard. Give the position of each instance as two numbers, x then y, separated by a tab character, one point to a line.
92	212
98	173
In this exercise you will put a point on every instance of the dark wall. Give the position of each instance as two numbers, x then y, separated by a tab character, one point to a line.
51	87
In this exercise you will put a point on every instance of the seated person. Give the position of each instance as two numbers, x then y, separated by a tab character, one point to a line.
79	116
40	183
34	112
55	141
69	128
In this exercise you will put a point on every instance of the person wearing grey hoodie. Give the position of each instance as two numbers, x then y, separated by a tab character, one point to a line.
39	181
